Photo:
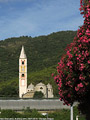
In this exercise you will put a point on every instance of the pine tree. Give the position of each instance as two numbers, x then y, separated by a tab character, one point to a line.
73	78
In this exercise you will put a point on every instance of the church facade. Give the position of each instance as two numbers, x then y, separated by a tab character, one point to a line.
28	92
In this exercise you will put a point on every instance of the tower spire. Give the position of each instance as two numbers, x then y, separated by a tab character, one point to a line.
22	54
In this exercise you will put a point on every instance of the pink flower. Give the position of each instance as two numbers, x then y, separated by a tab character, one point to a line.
80	46
52	74
82	58
83	53
69	54
75	49
60	99
55	78
81	77
80	85
89	26
76	88
79	56
79	34
88	61
69	63
86	53
87	32
76	55
82	66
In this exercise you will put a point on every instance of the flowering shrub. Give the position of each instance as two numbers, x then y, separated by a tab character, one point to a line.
73	69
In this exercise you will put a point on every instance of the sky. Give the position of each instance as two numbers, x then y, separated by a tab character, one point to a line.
38	17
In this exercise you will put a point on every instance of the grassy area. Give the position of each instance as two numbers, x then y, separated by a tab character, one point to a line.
63	114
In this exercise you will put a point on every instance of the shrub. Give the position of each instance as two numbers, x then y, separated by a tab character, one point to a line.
38	94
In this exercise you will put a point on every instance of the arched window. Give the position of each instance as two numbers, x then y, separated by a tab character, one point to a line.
41	88
23	75
22	62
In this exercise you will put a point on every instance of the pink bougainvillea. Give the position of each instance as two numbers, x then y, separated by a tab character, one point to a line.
74	67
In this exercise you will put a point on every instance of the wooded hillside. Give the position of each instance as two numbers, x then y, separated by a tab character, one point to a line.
43	54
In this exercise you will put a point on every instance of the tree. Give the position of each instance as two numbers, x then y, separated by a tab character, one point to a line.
73	76
9	114
38	95
8	91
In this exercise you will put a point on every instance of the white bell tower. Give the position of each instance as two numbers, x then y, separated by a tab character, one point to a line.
22	73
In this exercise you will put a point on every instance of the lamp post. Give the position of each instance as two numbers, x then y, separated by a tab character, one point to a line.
71	112
77	117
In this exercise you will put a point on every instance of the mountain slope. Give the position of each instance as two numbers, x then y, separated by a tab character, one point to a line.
42	52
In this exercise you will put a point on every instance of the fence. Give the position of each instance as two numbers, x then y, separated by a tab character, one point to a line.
26	118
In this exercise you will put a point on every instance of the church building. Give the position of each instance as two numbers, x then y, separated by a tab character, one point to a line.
28	92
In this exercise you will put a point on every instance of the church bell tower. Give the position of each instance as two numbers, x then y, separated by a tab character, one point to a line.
22	73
